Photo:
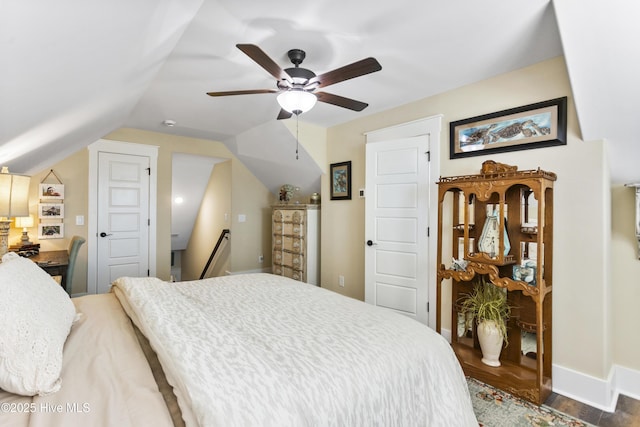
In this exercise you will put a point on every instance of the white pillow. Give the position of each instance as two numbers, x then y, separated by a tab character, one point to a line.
35	319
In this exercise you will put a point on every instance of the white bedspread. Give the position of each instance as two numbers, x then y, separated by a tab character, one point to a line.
263	350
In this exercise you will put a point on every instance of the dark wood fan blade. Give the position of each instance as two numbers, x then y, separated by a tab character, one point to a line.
357	69
242	92
340	101
284	114
263	60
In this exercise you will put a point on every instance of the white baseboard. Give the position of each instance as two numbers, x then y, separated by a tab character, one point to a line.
627	381
599	393
584	388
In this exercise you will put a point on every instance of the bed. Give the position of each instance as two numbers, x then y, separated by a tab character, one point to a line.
242	350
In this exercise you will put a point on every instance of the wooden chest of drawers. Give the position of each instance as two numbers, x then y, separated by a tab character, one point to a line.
296	242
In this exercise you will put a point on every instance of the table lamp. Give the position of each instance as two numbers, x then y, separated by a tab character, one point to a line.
14	202
24	222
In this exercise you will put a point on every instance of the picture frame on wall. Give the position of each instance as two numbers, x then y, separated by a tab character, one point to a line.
51	210
340	180
50	230
539	125
50	191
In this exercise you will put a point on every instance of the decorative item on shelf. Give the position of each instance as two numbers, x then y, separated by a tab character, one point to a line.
286	193
314	199
525	272
491	167
14	202
459	265
460	227
488	305
489	242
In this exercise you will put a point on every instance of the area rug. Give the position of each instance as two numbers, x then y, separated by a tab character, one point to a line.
496	408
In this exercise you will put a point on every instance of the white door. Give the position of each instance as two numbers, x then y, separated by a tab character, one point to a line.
396	225
122	217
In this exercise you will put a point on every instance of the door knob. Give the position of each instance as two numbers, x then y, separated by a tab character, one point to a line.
370	243
103	234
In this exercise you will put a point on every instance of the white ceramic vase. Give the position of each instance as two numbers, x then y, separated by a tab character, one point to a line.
491	341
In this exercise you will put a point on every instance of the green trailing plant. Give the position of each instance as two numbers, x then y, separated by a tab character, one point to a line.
487	302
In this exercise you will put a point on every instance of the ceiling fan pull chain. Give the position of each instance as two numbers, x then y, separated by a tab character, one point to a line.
297	137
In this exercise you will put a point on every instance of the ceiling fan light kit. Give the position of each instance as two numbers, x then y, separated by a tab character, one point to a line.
296	86
297	101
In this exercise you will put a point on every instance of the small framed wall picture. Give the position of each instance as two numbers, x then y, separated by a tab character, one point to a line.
340	176
51	191
51	210
50	230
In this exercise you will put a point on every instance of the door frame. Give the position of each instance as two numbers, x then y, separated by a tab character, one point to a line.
127	148
432	127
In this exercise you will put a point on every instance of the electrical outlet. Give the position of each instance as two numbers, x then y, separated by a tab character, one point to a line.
341	281
260	258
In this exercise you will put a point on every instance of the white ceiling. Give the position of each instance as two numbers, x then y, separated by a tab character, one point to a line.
74	71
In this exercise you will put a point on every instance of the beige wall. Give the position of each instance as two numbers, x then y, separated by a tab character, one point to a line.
74	174
625	278
210	222
248	197
582	329
314	140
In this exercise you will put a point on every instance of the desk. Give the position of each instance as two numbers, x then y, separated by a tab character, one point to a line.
53	262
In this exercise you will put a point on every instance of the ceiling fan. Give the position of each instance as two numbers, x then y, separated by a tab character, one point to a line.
297	86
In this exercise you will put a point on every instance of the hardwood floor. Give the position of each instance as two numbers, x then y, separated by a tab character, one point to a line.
627	411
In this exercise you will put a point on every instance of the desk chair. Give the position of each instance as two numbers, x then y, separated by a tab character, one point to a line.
74	247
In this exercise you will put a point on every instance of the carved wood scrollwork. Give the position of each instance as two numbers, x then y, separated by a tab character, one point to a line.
476	268
483	190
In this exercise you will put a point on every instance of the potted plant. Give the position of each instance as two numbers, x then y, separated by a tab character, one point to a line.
487	304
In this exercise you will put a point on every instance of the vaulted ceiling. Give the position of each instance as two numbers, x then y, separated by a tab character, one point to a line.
74	71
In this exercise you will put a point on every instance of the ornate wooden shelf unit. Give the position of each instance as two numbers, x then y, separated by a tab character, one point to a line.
523	204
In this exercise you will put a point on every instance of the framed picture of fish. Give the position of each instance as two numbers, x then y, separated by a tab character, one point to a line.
543	124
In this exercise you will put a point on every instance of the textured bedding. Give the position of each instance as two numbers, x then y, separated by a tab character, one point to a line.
106	380
261	349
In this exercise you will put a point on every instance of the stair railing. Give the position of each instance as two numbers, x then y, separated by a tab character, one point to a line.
224	235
